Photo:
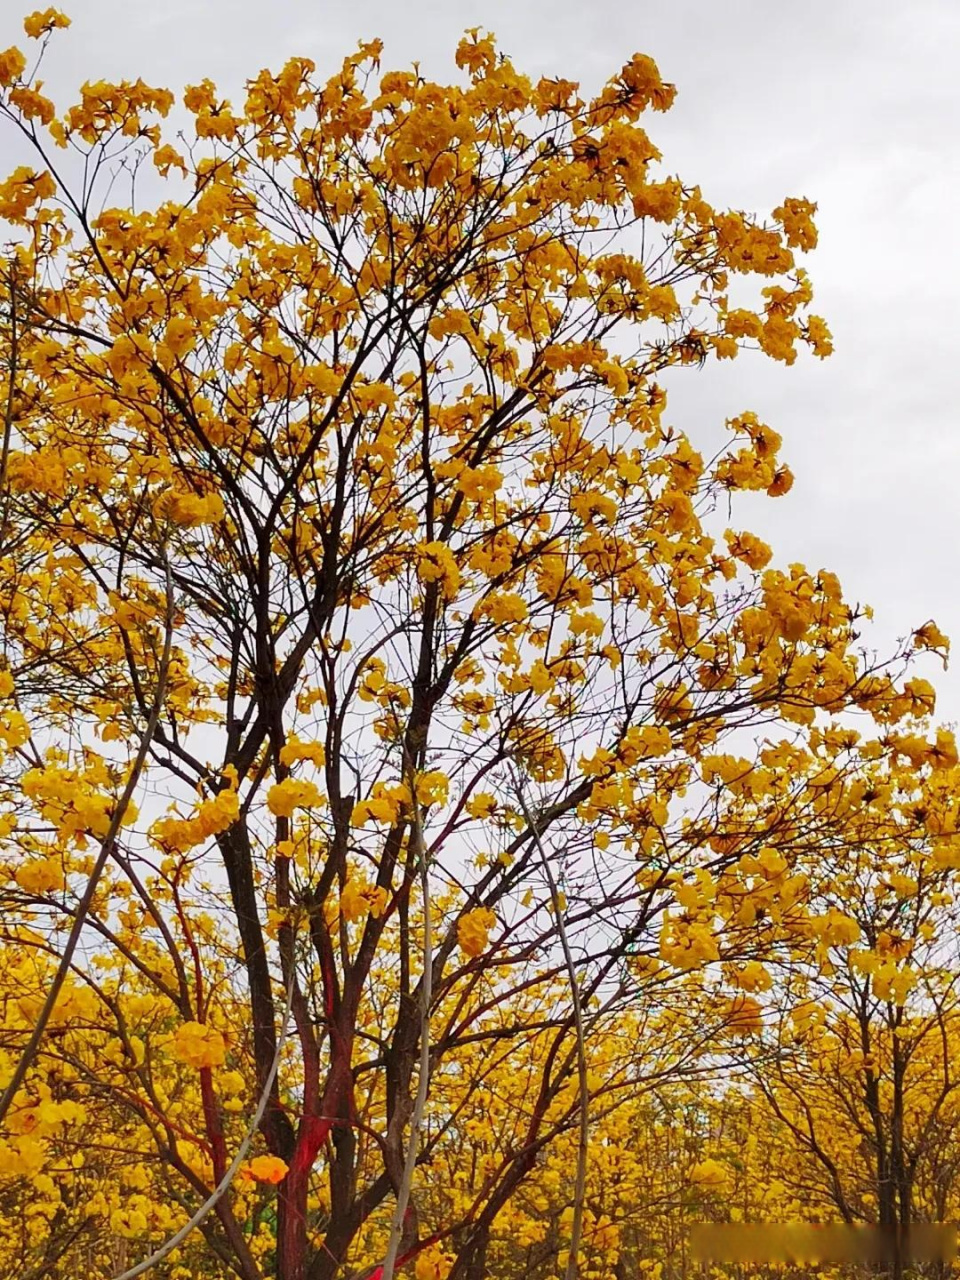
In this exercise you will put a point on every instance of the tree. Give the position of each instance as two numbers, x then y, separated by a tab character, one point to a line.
862	1075
362	420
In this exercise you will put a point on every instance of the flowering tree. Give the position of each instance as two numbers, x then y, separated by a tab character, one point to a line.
863	1076
344	522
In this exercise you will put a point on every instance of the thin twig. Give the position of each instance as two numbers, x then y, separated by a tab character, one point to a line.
106	847
426	999
10	406
580	1185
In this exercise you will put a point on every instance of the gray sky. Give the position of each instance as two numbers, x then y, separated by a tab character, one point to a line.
853	104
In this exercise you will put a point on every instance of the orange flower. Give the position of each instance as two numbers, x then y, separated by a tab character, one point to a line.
265	1169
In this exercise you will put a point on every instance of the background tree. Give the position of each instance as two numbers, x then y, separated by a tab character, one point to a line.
863	1076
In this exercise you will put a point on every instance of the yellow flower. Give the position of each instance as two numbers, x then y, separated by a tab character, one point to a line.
795	215
40	876
292	793
431	1264
24	1158
166	158
481	805
479	483
14	729
44	20
218	814
385	805
199	1045
643	743
213	817
232	1082
294	750
708	1173
353	903
473	931
180	335
12	65
432	788
191	510
752	551
436	563
838	929
505	607
752	976
818	336
742	1016
929	636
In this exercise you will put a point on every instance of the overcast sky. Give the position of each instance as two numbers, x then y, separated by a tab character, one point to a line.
853	104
